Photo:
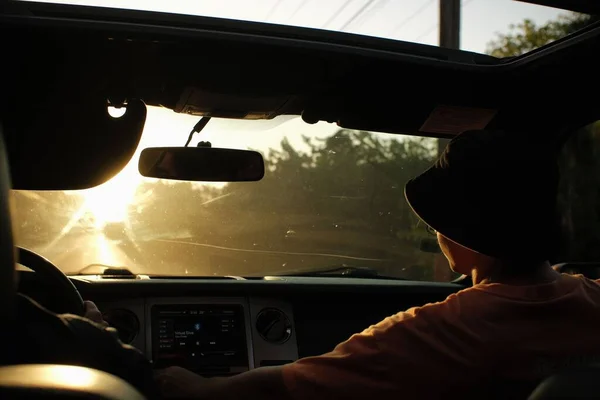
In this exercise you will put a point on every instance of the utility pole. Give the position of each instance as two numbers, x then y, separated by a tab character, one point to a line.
449	36
450	24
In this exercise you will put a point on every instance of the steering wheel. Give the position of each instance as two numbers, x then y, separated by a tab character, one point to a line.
71	301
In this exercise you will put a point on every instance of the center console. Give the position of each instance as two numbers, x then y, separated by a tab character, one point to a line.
208	337
212	336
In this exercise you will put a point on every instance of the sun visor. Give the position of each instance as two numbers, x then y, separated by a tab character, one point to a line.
71	146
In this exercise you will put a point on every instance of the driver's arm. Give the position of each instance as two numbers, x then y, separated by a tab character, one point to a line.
405	353
262	383
355	367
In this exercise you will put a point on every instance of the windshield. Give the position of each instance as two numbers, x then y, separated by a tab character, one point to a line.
330	198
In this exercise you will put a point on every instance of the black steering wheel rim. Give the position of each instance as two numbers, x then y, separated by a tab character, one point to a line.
72	299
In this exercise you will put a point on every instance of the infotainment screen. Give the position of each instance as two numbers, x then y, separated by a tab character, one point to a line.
205	338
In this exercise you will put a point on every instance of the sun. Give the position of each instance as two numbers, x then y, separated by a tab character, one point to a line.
110	201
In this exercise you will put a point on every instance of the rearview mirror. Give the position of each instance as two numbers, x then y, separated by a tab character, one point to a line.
204	164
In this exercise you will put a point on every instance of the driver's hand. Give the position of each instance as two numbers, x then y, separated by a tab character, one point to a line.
177	382
92	313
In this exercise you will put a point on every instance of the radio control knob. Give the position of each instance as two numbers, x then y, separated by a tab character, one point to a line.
273	325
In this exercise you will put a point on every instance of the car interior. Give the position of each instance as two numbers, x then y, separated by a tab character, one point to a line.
251	281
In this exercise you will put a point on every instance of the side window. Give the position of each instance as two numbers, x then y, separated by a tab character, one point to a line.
579	197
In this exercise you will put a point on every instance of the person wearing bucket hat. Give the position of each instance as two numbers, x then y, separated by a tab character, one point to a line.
491	198
495	197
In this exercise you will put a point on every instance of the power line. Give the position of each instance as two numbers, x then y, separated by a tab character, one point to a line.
357	14
273	9
427	32
300	7
424	7
337	13
374	8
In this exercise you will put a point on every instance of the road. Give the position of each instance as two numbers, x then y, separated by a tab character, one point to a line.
167	256
76	250
230	250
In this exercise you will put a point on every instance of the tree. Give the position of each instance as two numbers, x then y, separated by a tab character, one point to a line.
337	201
171	208
527	36
342	196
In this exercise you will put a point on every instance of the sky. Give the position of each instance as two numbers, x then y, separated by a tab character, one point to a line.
408	20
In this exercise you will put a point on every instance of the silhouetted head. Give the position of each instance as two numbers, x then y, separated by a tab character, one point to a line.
491	196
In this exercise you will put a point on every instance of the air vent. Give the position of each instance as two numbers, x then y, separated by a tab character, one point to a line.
273	325
125	322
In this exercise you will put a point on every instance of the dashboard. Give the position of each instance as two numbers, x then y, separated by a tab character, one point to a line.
224	326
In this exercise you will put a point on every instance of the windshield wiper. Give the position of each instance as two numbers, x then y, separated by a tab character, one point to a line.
343	271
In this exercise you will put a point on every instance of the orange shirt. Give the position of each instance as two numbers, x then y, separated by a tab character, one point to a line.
475	343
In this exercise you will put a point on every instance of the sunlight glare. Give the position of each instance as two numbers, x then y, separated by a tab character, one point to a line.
72	376
110	201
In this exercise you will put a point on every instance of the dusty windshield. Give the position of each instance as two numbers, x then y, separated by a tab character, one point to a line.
330	198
